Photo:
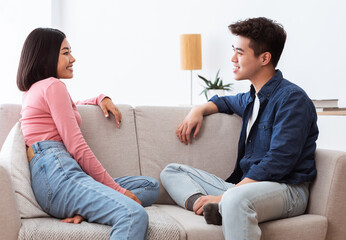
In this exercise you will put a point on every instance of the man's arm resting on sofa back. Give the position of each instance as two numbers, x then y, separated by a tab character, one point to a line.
194	120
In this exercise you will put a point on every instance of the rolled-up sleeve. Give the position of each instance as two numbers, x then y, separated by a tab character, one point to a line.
231	104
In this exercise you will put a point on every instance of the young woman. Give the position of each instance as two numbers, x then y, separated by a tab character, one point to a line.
67	179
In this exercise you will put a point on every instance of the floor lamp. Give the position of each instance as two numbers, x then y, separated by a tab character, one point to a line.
191	54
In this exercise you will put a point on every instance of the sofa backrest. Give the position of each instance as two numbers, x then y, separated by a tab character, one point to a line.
115	148
146	141
214	150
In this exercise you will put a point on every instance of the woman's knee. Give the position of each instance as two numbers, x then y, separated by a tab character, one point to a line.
151	193
155	186
153	183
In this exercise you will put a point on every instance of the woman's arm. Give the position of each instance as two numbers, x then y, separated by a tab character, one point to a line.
92	101
62	112
106	105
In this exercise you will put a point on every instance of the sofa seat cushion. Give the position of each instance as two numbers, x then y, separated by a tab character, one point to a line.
161	226
194	225
307	226
303	227
52	228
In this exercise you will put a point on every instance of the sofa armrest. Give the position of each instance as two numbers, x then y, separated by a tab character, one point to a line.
9	216
328	191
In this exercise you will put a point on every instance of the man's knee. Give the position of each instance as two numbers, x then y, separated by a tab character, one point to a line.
234	200
169	169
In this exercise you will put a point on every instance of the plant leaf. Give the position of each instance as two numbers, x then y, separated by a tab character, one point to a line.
203	78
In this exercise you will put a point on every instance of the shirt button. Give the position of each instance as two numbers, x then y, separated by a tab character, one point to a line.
249	140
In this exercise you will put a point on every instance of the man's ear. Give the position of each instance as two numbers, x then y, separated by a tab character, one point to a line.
265	58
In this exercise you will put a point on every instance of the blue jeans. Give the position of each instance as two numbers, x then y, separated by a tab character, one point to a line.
242	208
63	190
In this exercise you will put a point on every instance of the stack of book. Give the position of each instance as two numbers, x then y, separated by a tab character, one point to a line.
324	105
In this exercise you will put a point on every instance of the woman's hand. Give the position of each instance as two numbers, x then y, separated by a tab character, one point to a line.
132	196
108	106
76	219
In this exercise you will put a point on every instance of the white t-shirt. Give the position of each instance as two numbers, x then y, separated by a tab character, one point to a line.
253	116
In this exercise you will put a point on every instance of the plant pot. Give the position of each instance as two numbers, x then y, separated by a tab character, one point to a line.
212	92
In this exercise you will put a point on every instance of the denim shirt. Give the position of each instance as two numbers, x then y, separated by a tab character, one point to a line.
282	142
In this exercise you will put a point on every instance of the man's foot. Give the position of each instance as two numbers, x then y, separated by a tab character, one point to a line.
191	201
211	214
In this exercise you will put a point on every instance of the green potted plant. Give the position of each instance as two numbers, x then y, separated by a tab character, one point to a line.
215	87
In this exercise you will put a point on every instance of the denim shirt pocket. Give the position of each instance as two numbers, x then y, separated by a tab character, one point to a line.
265	130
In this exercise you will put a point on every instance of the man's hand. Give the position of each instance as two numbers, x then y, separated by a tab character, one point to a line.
198	206
108	106
132	196
245	181
193	120
76	219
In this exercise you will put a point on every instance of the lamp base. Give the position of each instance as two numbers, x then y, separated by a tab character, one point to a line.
190	87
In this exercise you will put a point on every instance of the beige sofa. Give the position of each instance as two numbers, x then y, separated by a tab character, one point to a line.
144	145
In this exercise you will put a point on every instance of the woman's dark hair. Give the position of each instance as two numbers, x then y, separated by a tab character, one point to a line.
39	57
265	36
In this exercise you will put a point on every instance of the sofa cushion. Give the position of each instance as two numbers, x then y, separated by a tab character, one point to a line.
214	150
302	227
115	148
328	192
194	225
9	216
9	115
161	226
306	226
13	158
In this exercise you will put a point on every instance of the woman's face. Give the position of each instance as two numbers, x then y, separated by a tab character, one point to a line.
65	62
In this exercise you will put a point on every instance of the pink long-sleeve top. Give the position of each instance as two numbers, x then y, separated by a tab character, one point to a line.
48	113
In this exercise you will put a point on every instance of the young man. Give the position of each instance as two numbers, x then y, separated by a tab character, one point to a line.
276	147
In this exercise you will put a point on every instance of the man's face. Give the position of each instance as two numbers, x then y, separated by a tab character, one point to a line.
245	64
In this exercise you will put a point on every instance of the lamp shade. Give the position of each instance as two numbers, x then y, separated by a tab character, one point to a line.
190	51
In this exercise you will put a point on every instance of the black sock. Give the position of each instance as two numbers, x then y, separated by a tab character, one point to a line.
191	200
211	214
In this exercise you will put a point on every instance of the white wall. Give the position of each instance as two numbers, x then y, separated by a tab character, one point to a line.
332	132
17	19
129	50
132	47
